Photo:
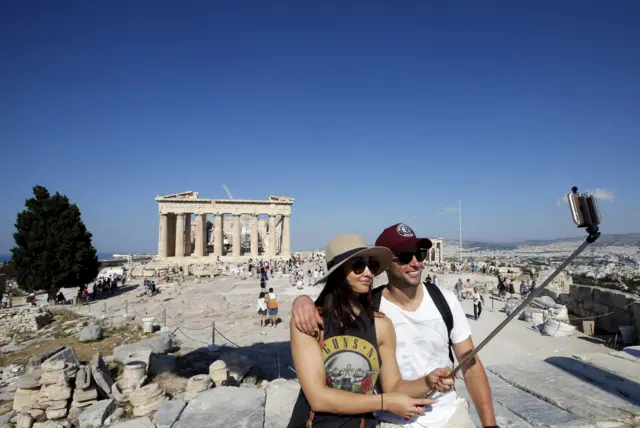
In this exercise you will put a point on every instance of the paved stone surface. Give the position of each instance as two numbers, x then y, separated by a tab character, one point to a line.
281	397
225	407
568	392
622	367
168	413
504	417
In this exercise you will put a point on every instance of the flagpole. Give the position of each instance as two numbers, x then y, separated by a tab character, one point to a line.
460	227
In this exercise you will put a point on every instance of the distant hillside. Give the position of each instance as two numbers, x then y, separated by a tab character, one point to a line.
632	239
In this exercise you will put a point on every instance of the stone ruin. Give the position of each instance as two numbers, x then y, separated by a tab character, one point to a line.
22	320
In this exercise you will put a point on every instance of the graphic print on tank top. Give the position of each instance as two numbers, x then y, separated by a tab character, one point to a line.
351	364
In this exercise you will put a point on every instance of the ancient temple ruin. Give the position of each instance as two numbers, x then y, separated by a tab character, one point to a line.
191	227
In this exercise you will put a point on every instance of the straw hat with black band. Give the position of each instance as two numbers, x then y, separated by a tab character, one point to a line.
343	248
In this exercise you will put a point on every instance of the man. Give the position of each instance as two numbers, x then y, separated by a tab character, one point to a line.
422	333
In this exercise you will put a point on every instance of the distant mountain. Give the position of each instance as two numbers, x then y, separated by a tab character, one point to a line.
631	239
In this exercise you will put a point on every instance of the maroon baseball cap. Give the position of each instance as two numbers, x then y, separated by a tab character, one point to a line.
400	238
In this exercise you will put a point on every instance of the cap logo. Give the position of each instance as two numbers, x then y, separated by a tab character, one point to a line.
405	231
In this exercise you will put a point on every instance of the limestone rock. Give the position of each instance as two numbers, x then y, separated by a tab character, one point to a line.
281	397
94	416
24	420
90	333
168	413
147	399
66	354
232	407
135	423
115	416
560	285
101	375
160	344
195	385
25	399
219	373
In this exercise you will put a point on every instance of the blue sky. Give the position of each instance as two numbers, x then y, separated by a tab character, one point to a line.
367	113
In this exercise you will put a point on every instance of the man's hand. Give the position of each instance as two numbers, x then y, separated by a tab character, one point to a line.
440	380
305	316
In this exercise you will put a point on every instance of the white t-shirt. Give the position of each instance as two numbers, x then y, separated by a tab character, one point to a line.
422	346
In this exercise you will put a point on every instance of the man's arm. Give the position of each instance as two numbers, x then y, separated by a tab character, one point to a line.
477	383
305	316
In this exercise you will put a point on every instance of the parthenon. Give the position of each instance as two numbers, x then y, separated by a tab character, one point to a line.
436	254
251	236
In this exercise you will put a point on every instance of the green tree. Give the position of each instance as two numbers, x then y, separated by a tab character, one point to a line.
53	247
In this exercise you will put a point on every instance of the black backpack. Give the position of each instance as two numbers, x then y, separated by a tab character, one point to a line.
440	302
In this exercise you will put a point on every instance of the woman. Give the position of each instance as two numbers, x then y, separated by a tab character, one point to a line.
262	309
355	354
478	300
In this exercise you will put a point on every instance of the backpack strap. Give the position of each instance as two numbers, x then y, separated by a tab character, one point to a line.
445	311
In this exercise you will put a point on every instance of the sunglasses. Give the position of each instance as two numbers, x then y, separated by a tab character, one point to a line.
405	258
358	265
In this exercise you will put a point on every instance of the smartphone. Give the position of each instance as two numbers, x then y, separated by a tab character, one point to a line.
584	209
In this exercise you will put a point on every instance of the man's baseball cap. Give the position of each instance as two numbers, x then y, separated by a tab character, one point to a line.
400	238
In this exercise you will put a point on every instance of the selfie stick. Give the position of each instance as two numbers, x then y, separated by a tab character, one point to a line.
584	209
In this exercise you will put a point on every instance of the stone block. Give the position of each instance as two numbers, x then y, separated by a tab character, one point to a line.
101	375
169	412
135	423
232	407
91	333
160	344
582	292
67	355
281	397
94	415
635	310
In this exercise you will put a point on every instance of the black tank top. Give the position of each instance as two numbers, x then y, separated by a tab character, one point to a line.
351	363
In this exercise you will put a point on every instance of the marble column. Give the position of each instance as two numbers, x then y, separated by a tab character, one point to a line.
235	240
254	236
179	235
272	236
163	236
201	222
285	249
171	232
187	235
218	238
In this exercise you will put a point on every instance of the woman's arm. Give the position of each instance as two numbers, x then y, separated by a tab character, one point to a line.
390	373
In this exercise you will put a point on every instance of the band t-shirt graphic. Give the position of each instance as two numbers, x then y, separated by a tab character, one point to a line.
351	364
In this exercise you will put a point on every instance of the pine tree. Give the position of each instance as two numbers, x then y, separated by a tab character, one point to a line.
53	247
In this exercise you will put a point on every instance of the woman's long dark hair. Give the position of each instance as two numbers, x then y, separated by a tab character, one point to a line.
341	304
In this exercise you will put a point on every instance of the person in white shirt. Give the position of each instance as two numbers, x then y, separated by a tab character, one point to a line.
478	300
262	309
422	334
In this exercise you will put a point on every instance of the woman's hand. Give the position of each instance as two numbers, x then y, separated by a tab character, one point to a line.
403	405
440	380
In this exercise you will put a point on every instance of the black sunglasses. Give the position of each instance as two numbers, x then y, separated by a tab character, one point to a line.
359	264
405	258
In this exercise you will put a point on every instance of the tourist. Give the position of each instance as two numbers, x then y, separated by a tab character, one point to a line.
458	289
478	300
421	315
262	309
272	307
341	368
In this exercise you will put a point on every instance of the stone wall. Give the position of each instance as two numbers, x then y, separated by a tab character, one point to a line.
589	301
22	320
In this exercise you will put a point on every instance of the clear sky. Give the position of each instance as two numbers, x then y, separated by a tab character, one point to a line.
367	113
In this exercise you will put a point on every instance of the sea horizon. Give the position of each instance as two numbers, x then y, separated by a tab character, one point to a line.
102	256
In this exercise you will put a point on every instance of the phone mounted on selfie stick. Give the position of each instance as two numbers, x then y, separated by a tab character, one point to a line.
586	214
